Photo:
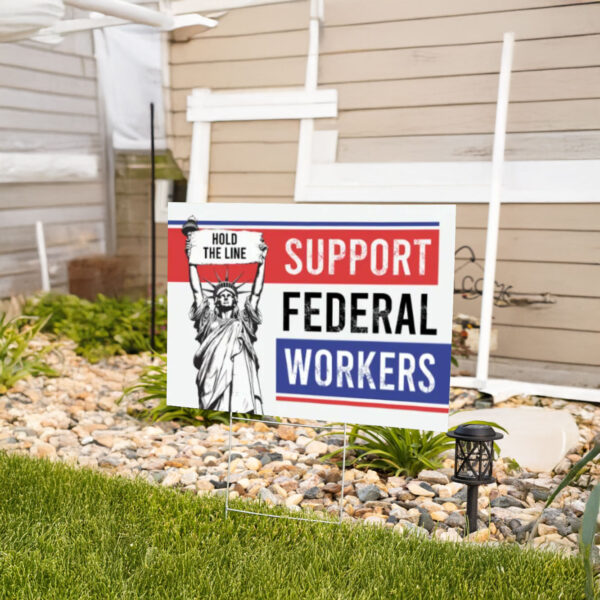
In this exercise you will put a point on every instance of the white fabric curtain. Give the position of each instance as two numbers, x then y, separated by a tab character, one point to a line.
129	68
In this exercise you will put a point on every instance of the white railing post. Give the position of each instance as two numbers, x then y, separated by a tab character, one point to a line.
305	139
491	245
41	248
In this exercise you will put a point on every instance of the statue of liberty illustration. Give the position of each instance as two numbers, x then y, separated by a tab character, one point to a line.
226	361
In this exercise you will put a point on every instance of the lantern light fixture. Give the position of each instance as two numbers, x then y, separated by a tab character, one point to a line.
473	461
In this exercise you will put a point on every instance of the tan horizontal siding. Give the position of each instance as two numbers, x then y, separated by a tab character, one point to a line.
349	12
251	184
270	72
575	145
257	199
556	21
246	47
259	131
573	217
563	115
553	316
537	245
553	84
254	157
261	19
443	61
548	345
566	279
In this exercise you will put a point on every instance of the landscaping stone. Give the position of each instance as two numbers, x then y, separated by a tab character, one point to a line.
42	450
433	477
420	488
75	418
369	492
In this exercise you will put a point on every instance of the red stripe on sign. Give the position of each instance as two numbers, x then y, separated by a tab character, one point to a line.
434	409
329	256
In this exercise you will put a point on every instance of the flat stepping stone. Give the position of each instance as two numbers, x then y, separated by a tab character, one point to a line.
538	438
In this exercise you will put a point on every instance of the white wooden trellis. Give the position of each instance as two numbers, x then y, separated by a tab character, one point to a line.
320	179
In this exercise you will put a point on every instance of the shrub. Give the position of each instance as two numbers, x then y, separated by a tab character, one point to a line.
17	359
394	450
105	327
397	451
153	385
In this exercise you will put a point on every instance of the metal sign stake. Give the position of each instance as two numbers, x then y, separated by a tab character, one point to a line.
290	517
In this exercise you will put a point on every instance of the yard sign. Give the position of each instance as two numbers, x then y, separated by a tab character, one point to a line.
333	312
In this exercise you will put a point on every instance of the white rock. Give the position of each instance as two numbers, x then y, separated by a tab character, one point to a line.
432	477
316	447
415	489
171	479
253	464
538	438
188	476
42	450
448	536
293	500
302	441
166	450
104	437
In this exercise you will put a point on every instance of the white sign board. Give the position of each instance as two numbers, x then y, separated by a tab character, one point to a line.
333	312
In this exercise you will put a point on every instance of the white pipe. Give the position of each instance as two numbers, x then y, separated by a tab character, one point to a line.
311	81
491	245
125	10
41	247
197	190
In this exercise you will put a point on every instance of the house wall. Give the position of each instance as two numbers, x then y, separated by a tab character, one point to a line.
418	82
49	104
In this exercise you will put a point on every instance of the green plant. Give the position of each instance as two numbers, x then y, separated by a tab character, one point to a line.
105	327
17	359
153	385
590	515
397	451
394	450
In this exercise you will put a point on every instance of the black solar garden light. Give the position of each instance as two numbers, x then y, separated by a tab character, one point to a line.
473	458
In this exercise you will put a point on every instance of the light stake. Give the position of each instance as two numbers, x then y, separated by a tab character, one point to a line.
473	459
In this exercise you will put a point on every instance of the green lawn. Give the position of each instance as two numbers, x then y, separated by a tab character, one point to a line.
67	533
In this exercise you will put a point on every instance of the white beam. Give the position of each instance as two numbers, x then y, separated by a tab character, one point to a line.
180	7
506	388
491	245
271	105
565	181
125	10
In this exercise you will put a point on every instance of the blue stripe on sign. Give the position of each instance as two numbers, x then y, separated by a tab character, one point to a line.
392	371
317	223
